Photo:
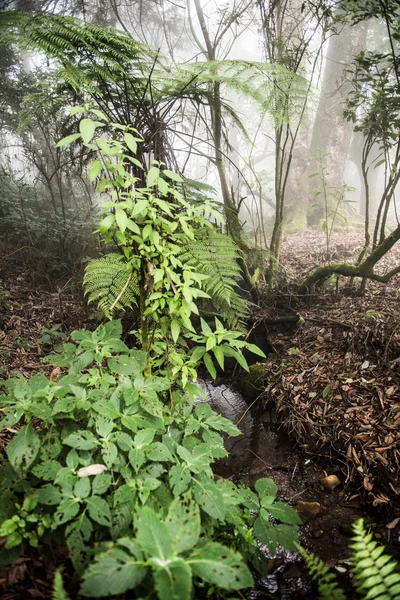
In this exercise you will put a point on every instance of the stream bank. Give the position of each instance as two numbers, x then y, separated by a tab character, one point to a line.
327	510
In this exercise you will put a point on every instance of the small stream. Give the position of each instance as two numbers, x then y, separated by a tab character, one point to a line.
263	450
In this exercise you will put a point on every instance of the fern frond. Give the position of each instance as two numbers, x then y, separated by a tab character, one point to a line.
272	87
377	574
86	53
59	592
109	282
216	255
328	587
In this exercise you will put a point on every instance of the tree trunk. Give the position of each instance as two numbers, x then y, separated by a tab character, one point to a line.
331	134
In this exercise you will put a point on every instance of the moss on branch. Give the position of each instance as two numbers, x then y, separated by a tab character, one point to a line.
365	269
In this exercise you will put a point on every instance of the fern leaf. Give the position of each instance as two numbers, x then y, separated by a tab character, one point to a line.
216	255
272	87
328	587
59	592
377	574
109	282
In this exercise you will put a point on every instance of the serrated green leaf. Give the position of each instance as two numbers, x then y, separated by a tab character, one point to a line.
175	330
180	478
173	581
109	454
98	510
285	513
68	140
46	470
172	175
219	355
87	127
210	365
113	573
152	176
23	449
152	535
67	510
183	523
222	424
82	440
82	488
106	223
209	498
266	487
220	566
94	170
130	142
49	494
255	350
121	219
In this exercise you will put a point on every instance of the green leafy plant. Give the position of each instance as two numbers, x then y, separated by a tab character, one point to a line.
124	481
377	575
165	244
51	334
114	459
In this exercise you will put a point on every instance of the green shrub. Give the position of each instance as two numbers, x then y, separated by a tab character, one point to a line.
117	467
114	459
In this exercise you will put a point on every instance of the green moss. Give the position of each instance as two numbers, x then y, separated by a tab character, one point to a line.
254	382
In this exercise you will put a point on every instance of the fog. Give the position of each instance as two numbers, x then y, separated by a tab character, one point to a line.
268	133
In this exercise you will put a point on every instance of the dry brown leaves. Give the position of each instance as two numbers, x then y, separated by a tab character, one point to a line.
340	396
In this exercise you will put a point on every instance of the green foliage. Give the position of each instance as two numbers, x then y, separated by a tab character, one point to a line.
75	44
377	575
114	459
216	255
51	334
109	282
59	592
108	449
170	254
328	586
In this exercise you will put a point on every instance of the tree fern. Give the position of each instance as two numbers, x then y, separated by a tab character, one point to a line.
91	57
328	587
377	574
59	592
109	282
216	255
271	86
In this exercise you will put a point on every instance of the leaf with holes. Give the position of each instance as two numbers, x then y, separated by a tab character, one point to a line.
113	573
23	449
220	566
183	523
99	510
210	499
82	440
152	535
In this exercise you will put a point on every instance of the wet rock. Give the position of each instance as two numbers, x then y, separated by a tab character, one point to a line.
330	483
308	510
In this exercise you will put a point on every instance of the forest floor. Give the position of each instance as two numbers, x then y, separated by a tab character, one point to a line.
336	382
335	378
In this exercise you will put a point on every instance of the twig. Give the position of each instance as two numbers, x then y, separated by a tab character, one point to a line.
121	292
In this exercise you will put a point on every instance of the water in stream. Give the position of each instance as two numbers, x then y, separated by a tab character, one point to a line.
265	451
